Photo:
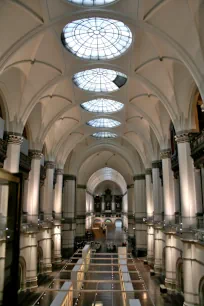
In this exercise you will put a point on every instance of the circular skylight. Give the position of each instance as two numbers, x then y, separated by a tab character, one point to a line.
100	80
96	38
104	135
91	2
103	123
102	106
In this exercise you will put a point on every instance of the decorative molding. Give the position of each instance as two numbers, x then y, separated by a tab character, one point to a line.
50	165
182	137
69	177
139	177
59	171
81	186
130	186
35	154
156	164
148	171
165	154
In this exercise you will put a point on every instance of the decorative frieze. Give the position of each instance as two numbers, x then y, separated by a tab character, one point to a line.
15	139
148	171
35	154
165	154
50	165
139	177
182	137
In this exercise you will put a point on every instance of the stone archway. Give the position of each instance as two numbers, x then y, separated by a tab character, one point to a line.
40	260
21	274
118	223
201	291
179	275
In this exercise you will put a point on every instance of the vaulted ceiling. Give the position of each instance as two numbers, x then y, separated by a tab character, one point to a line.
164	66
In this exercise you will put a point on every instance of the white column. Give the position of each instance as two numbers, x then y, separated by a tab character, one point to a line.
113	203
150	244
32	206
57	208
177	194
187	181
80	210
198	191
157	197
12	160
140	213
102	205
168	187
149	195
69	208
131	211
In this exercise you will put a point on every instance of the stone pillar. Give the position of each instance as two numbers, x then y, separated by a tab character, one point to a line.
131	211
80	210
177	194
47	224
149	195
57	208
32	205
198	191
159	245
140	213
150	244
103	205
69	208
157	196
113	204
12	160
191	285
187	181
168	187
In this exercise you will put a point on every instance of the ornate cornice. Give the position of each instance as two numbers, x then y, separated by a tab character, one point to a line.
182	137
139	177
59	171
50	165
35	154
165	154
69	177
148	171
14	139
156	164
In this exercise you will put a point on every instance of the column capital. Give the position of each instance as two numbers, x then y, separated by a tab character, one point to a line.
59	171
164	154
35	154
139	177
130	186
156	164
182	137
69	177
50	165
15	139
81	186
148	171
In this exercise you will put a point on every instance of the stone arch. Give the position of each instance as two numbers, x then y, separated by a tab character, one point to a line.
21	274
179	275
108	221
117	220
201	291
39	260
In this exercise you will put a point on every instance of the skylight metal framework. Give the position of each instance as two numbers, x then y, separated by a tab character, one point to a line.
101	105
103	123
96	38
104	135
99	80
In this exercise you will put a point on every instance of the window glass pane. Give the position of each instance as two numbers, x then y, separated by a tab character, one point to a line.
91	2
103	123
96	38
99	80
102	106
104	135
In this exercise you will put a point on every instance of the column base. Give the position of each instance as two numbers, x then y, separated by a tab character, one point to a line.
32	283
158	269
170	284
57	262
47	268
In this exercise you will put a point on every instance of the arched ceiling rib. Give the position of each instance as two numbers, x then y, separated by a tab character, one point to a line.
105	174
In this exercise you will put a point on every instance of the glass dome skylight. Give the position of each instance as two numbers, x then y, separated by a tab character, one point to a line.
102	106
100	80
104	135
103	123
96	38
91	2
